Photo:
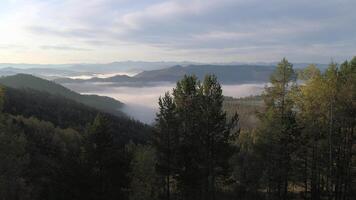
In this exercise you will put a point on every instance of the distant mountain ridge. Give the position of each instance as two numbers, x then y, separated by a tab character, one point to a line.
23	81
99	67
227	74
47	73
149	72
126	66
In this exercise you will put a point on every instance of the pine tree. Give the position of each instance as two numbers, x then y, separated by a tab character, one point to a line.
216	135
166	140
108	162
193	128
189	157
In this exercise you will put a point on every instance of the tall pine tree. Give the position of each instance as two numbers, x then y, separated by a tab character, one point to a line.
193	127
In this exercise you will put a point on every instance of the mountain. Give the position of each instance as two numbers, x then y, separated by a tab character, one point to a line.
47	73
23	81
52	71
227	74
26	65
125	66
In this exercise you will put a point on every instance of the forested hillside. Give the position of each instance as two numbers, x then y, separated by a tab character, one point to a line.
295	141
51	147
23	81
66	113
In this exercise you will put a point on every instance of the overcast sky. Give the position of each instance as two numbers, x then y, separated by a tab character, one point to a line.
72	31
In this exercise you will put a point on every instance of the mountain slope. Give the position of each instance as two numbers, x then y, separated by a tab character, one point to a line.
105	104
67	113
225	73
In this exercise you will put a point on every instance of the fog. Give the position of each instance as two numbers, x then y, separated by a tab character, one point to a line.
103	75
141	102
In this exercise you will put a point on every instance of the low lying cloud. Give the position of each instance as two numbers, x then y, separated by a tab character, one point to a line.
142	102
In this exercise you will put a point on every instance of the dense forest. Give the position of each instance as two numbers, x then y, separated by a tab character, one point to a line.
295	141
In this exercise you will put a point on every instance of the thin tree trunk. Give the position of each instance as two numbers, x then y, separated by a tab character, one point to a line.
306	175
329	177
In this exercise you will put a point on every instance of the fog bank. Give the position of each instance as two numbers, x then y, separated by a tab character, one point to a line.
141	102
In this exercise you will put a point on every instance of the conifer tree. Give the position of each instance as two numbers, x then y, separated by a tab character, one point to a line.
108	161
166	140
200	136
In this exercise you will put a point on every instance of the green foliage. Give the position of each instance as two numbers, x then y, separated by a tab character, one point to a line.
13	161
35	158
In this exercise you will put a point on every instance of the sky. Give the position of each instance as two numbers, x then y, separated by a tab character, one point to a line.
102	31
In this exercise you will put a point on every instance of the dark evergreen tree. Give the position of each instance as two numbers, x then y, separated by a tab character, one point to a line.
166	141
199	136
108	161
216	136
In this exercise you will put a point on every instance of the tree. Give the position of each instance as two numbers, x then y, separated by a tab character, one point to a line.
13	161
216	135
326	111
144	180
166	140
278	130
310	103
108	162
199	136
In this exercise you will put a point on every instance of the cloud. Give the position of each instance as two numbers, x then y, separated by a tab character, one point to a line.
78	33
11	46
276	26
64	48
170	11
203	30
